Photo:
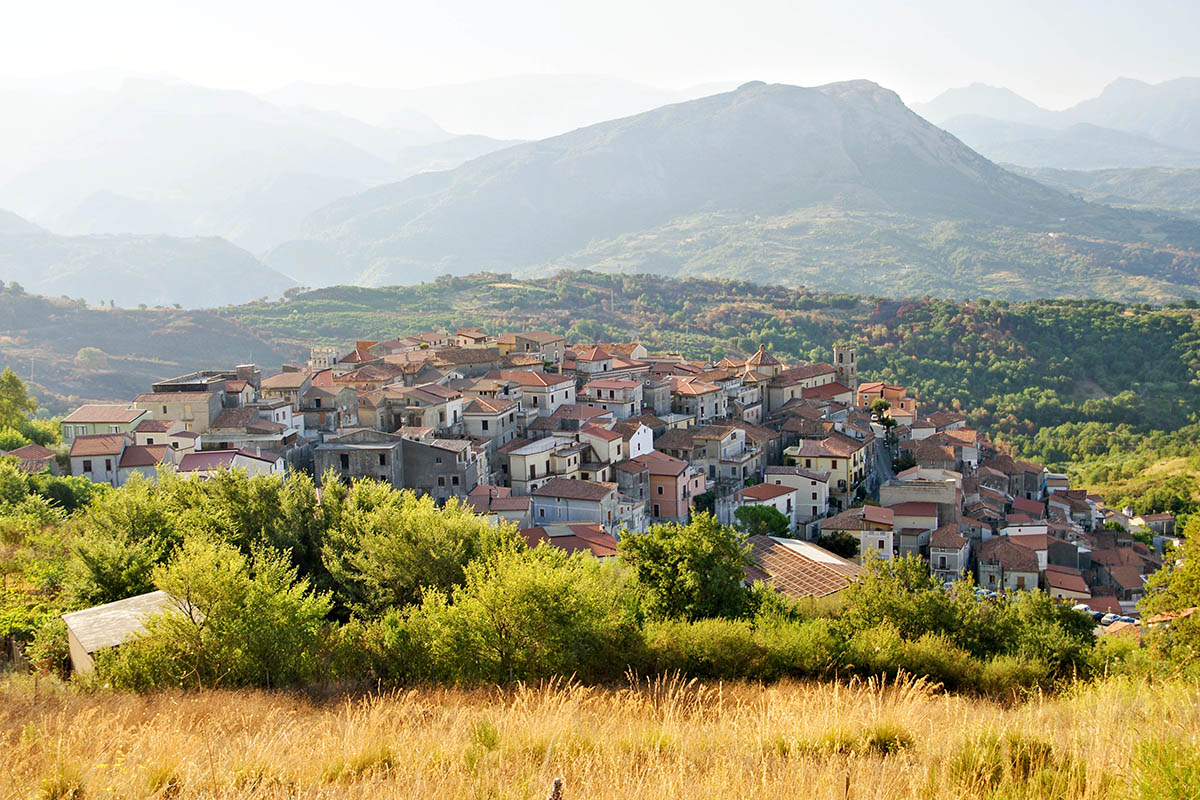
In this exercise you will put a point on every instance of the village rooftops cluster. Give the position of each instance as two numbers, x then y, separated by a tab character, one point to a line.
579	444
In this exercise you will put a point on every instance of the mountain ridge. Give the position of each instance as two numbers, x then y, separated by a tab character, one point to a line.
762	158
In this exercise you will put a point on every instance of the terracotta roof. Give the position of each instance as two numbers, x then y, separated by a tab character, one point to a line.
826	391
1127	576
593	354
1033	508
488	405
765	491
530	377
285	380
573	538
1008	554
661	463
235	387
155	425
101	414
138	455
568	489
799	569
804	372
205	460
1066	578
30	452
601	433
98	444
762	358
947	537
693	386
855	519
541	337
914	508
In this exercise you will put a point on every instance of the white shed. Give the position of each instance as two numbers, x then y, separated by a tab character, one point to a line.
111	624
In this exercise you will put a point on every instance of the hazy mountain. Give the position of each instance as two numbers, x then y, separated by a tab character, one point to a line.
11	224
982	100
1129	124
1081	146
1168	111
1175	191
777	183
182	160
155	270
518	107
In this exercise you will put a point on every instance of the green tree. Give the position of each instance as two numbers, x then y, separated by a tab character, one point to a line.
756	520
91	358
1173	589
840	543
15	403
689	571
388	546
524	614
238	621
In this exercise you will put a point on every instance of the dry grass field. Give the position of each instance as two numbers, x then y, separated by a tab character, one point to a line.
668	739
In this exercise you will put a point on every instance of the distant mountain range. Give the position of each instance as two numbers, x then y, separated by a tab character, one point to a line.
839	186
515	107
129	269
175	159
1129	124
1173	191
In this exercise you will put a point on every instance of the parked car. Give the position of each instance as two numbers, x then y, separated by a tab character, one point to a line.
1097	615
1109	618
1130	620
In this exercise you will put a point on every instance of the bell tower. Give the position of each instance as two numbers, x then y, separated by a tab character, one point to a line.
845	364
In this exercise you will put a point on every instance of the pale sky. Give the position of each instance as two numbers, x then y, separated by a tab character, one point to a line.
1054	53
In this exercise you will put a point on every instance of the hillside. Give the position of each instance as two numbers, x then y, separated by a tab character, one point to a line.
1174	191
834	187
1080	146
41	336
131	269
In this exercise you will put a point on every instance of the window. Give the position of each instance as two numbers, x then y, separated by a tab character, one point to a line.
108	465
174	445
437	459
808	463
114	428
879	544
149	440
345	459
316	402
484	424
454	480
87	466
535	399
834	463
656	510
941	562
814	511
532	472
541	512
1020	581
383	459
660	491
814	495
441	480
164	410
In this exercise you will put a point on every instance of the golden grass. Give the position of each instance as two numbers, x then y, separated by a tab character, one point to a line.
670	739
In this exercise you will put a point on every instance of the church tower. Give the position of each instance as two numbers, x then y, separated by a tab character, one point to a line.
845	364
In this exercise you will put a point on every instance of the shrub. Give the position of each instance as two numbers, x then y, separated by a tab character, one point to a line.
240	622
708	648
801	649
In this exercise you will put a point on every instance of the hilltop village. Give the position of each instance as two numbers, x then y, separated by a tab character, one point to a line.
578	445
